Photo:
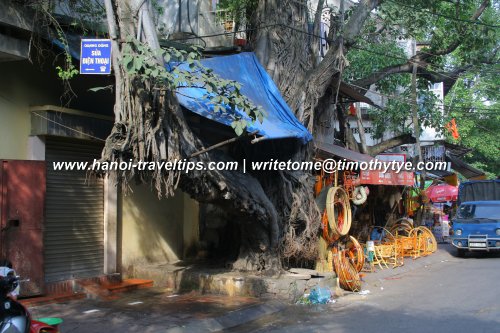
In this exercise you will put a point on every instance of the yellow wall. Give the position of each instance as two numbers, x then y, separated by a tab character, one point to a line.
14	131
155	231
23	84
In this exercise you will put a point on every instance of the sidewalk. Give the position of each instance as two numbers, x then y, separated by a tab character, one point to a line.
157	310
154	310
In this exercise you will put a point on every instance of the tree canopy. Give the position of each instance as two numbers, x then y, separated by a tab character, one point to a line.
459	47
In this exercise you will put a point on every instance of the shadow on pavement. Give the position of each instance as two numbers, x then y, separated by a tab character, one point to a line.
150	310
469	254
366	318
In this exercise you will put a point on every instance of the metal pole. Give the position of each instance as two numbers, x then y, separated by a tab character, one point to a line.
416	130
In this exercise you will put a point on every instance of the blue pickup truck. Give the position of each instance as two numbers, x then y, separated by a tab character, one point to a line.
476	225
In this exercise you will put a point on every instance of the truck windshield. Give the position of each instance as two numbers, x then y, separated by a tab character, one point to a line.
479	211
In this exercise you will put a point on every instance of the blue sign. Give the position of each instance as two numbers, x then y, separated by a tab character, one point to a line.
95	56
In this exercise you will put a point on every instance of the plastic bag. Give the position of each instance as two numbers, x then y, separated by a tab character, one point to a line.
320	295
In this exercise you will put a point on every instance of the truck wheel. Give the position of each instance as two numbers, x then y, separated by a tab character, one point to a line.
461	253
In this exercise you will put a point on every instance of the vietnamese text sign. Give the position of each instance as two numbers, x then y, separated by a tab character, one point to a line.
374	177
95	56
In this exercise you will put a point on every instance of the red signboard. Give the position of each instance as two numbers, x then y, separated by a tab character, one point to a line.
404	178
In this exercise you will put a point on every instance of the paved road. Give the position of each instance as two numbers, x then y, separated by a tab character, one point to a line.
439	294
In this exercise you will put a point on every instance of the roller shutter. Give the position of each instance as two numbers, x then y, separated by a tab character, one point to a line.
74	227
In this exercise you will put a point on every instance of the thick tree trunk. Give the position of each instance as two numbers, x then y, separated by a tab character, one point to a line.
281	45
313	86
277	214
150	126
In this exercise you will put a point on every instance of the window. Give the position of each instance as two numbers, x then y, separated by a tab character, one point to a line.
479	211
368	130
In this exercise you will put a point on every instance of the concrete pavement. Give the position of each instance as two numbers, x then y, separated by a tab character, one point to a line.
397	296
440	293
154	310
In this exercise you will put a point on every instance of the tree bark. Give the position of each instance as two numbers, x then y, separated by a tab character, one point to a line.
313	86
281	45
113	34
391	143
448	78
316	32
150	126
362	134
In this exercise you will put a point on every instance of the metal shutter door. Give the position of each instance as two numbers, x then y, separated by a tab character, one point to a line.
74	227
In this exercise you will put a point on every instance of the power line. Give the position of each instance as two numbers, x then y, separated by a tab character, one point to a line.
71	129
328	40
410	102
435	70
422	10
331	40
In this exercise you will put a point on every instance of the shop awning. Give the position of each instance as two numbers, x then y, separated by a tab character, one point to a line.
258	86
325	150
455	149
464	169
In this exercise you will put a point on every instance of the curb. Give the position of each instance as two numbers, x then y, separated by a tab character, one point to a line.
51	299
229	320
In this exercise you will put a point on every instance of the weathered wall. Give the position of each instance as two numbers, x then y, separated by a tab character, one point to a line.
153	230
22	85
14	131
156	231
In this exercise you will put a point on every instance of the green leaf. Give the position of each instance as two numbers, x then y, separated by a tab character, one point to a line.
260	117
137	63
238	129
127	62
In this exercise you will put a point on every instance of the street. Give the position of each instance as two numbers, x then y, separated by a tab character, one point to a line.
450	295
227	165
439	293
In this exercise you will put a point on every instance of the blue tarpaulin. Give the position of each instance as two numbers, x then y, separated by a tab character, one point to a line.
258	86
